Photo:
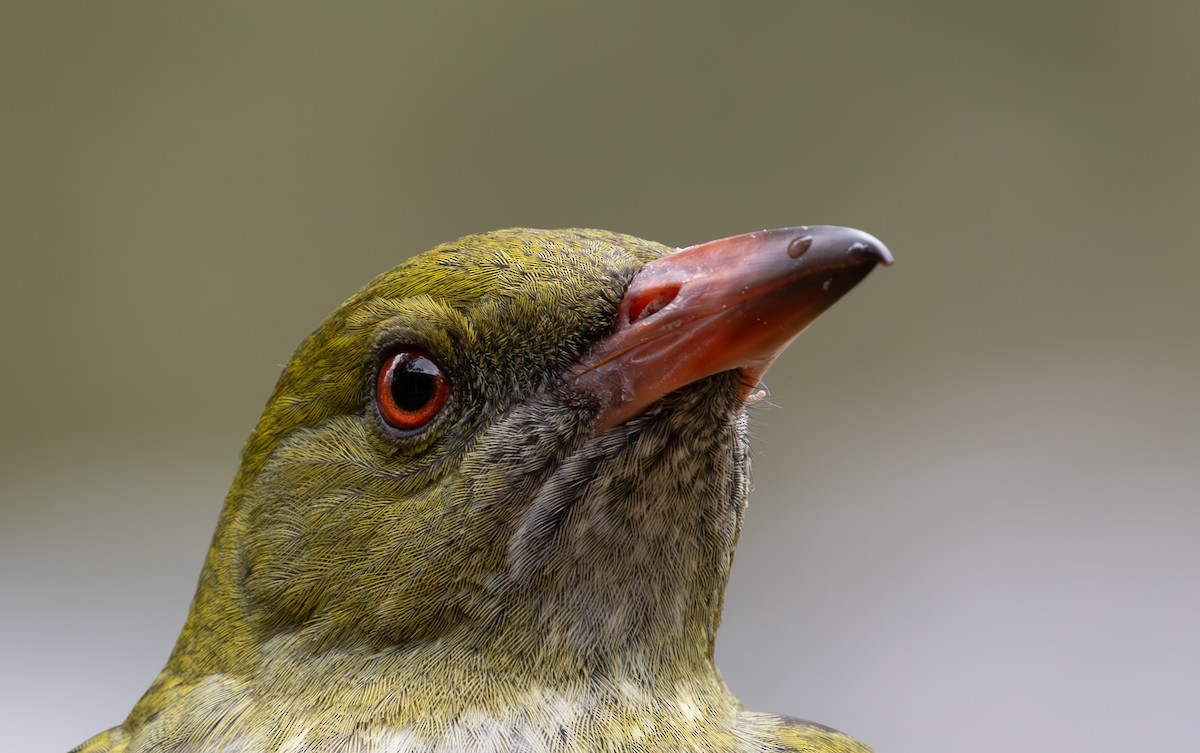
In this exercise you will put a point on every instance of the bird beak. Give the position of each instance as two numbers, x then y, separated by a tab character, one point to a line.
733	303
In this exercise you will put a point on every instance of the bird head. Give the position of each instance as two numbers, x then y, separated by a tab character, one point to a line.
525	447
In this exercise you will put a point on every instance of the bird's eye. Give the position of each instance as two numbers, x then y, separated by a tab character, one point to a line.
410	389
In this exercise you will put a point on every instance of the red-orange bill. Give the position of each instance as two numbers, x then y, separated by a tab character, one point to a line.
733	303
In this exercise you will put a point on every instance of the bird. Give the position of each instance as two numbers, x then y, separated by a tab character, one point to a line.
492	505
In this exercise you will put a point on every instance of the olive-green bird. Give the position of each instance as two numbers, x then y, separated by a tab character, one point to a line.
492	506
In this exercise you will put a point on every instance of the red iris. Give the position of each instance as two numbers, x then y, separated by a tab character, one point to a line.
411	389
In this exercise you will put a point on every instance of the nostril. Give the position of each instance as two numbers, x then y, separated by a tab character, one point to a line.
650	302
799	245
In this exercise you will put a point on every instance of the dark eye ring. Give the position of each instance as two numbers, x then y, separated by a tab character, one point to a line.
411	388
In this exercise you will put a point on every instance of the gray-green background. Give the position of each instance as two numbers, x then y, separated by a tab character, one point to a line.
976	524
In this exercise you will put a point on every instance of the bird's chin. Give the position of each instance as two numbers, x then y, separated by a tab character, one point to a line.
713	403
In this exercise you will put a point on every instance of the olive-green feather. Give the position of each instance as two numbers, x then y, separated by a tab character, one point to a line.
109	741
800	736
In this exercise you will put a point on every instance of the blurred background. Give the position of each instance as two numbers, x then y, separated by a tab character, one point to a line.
976	522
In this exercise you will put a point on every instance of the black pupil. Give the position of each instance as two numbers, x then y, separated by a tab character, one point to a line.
414	380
